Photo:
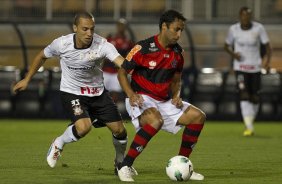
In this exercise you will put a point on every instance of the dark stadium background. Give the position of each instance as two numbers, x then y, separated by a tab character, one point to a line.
26	26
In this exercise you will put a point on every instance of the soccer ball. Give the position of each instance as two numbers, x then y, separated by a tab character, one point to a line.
179	168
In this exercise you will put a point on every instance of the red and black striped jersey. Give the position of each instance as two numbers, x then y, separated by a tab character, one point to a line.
152	67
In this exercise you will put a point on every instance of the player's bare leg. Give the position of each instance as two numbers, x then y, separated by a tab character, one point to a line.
72	134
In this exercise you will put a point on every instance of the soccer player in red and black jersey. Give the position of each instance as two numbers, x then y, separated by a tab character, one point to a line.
154	101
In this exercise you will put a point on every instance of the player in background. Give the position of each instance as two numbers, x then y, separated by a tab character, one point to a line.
154	101
120	39
84	97
243	43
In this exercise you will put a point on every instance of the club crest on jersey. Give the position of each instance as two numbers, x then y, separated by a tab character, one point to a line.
76	107
152	64
77	110
174	63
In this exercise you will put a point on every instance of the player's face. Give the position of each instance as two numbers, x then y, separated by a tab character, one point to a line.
84	32
245	18
173	31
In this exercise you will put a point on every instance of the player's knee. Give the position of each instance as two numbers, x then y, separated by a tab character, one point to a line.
120	133
244	96
200	116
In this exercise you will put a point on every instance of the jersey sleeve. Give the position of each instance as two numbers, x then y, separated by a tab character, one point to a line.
263	35
109	51
230	37
133	58
53	49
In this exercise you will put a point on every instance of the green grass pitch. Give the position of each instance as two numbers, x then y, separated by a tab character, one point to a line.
222	154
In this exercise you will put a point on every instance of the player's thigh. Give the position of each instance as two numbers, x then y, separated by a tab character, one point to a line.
243	85
192	115
104	112
255	87
151	116
74	106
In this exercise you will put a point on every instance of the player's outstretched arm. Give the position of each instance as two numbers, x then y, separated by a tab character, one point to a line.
38	61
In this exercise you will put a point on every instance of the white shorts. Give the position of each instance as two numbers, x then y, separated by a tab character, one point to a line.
169	112
111	82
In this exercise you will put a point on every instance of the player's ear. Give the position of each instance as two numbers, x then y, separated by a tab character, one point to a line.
164	26
74	27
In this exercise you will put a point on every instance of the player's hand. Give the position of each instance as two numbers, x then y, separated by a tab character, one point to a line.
266	66
237	56
177	101
20	86
136	100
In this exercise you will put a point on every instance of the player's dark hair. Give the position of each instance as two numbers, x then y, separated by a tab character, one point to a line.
169	16
246	9
83	14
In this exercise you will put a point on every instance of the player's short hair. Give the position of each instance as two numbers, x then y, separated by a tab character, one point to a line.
83	14
246	9
169	16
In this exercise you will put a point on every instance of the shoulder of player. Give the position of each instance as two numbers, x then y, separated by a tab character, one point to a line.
177	48
97	39
148	45
235	26
65	40
257	24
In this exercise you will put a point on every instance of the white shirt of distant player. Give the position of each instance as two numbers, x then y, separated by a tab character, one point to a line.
81	68
247	43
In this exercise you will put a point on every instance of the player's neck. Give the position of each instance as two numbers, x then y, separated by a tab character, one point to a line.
246	26
163	42
78	44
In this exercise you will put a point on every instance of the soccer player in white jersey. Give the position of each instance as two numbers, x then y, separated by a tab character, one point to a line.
243	43
82	90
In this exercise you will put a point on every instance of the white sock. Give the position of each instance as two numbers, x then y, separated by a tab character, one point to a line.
120	147
249	122
66	137
248	113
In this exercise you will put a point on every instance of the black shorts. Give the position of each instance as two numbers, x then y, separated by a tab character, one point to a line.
100	109
248	82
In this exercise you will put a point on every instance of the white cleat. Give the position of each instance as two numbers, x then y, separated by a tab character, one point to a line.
197	176
133	171
53	155
125	174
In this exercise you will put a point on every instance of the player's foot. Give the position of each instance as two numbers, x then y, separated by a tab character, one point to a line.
197	176
133	171
53	154
125	174
248	133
